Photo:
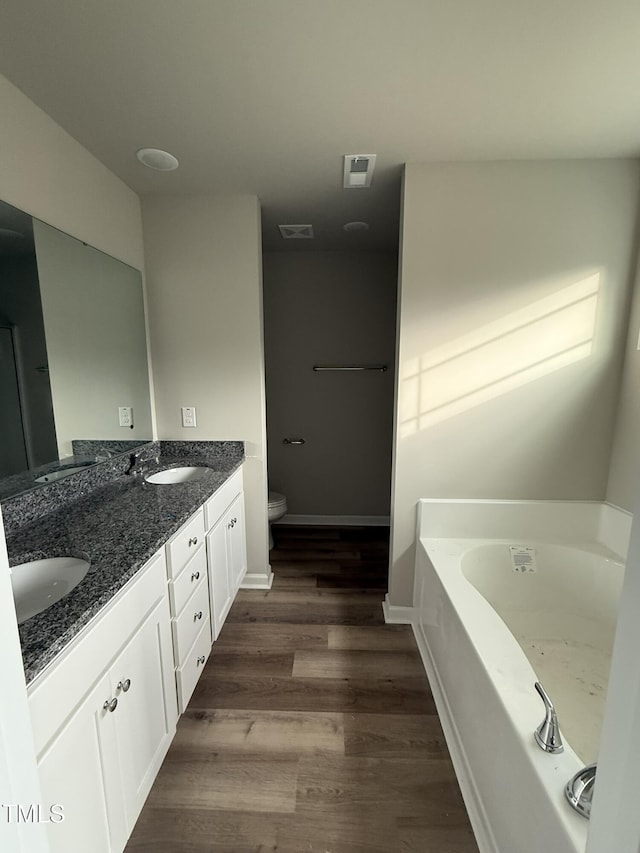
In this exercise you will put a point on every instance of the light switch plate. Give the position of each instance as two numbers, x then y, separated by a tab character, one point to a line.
188	416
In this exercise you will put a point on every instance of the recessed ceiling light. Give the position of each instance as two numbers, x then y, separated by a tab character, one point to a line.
356	226
156	158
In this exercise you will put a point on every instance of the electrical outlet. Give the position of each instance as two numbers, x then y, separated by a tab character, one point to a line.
188	416
125	416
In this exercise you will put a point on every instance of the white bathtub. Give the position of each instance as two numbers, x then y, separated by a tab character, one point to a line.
487	632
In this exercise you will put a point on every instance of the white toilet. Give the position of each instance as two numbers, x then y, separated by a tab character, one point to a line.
277	508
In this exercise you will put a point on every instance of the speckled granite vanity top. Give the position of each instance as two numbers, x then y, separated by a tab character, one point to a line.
117	527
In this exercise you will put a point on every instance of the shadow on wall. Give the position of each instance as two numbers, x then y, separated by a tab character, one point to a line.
520	347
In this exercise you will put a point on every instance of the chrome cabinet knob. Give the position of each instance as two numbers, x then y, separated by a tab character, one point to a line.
201	660
197	616
124	685
193	541
110	705
195	576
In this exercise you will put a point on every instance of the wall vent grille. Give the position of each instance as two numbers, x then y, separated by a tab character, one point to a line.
358	171
296	232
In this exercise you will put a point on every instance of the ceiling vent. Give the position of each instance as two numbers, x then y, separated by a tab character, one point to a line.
296	232
358	170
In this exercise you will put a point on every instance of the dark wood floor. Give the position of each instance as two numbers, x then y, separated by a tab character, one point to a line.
312	729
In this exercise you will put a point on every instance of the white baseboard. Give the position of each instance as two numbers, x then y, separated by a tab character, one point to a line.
395	614
257	580
336	520
477	814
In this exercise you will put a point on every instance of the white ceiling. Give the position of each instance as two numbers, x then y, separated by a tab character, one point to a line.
266	96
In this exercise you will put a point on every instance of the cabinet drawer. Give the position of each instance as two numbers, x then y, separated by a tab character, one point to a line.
188	674
215	507
193	574
183	544
187	626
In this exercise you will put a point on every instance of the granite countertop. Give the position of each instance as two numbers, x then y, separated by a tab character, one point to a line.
117	528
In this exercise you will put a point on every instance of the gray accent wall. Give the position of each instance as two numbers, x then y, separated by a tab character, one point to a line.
330	308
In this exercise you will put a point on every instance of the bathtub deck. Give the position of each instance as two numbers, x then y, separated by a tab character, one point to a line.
312	729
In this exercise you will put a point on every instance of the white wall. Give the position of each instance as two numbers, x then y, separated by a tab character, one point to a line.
46	173
330	308
204	284
513	295
624	472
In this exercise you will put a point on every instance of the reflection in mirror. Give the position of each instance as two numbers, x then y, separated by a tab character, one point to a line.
72	354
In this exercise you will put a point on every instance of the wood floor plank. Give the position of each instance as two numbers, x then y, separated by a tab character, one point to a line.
394	736
310	596
316	554
309	614
369	581
418	833
203	830
260	732
393	638
244	663
293	532
341	663
254	636
366	533
348	695
357	787
301	568
303	582
230	782
309	833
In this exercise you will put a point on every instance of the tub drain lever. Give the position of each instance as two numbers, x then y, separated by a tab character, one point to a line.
547	734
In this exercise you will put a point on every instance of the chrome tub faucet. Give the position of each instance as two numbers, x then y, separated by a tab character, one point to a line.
547	734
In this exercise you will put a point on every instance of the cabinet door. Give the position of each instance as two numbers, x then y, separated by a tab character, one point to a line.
93	812
237	543
143	682
219	573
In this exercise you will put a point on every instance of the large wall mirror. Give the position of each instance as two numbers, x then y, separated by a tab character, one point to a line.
74	379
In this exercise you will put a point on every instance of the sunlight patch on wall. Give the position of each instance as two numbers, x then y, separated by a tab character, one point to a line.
524	345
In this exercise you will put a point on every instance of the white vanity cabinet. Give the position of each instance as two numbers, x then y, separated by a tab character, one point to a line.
226	547
104	715
189	597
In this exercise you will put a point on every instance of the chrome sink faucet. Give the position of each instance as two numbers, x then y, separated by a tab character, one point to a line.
138	467
547	734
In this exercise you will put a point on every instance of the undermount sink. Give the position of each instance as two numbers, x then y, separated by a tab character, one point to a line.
52	476
177	475
41	583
